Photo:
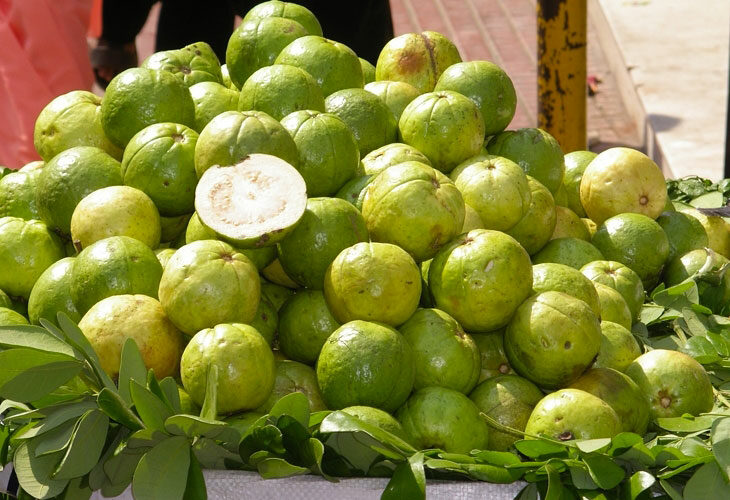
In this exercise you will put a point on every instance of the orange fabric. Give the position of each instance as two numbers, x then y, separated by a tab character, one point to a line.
44	55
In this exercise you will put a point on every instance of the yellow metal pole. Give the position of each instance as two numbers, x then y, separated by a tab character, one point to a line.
561	71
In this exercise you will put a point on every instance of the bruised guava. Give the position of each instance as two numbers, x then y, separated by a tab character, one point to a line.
207	283
364	363
244	361
253	203
552	338
415	207
110	322
480	278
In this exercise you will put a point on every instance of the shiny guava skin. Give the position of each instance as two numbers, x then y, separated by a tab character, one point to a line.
391	154
139	97
396	95
684	233
445	126
118	265
191	64
376	417
115	211
276	294
164	254
160	161
416	58
621	393
67	178
415	207
488	86
536	151
207	283
8	317
509	399
373	282
619	277
51	294
113	320
69	120
354	190
233	135
246	366
496	188
276	274
535	228
444	354
280	89
286	10
573	414
494	361
562	278
471	220
613	306
696	263
368	71
328	226
636	241
572	252
672	382
381	375
569	225
17	195
717	229
266	320
292	376
328	151
437	417
256	43
305	323
27	249
575	164
332	64
172	230
621	180
552	338
261	257
480	278
211	99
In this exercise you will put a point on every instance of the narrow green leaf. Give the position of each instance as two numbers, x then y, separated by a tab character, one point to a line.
152	411
712	199
497	457
491	473
276	468
56	416
33	337
163	471
87	443
154	387
295	405
131	367
77	339
555	490
591	445
191	426
639	482
680	466
536	448
195	488
210	403
604	471
708	482
116	408
720	438
97	477
169	387
34	473
670	490
28	374
529	492
408	481
342	422
57	439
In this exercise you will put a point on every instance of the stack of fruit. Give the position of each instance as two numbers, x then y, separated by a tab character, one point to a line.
369	236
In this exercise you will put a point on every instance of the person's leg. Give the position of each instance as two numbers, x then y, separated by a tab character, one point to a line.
183	22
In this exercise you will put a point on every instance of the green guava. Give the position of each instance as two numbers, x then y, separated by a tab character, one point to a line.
378	418
480	278
569	225
704	267
292	376
368	71
575	164
305	323
471	220
395	95
266	320
207	283
354	190
613	306
246	367
618	347
172	229
163	255
191	64
491	351
552	338
572	252
276	294
391	154
566	279
717	229
364	363
276	274
211	99
279	90
535	228
684	233
17	195
286	10
619	277
51	294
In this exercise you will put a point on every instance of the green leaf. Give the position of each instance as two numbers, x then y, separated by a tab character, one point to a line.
210	403
712	199
77	489
154	387
56	416
97	477
146	438
529	492
555	490
169	387
408	481
604	471
116	408
131	367
34	473
28	374
650	313
581	478
708	482
591	445
119	469
195	488
87	443
152	411
670	490
77	339
276	468
295	405
316	418
685	424
211	455
720	438
316	451
163	471
339	421
497	457
639	482
33	337
701	349
191	426
57	439
536	448
491	473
